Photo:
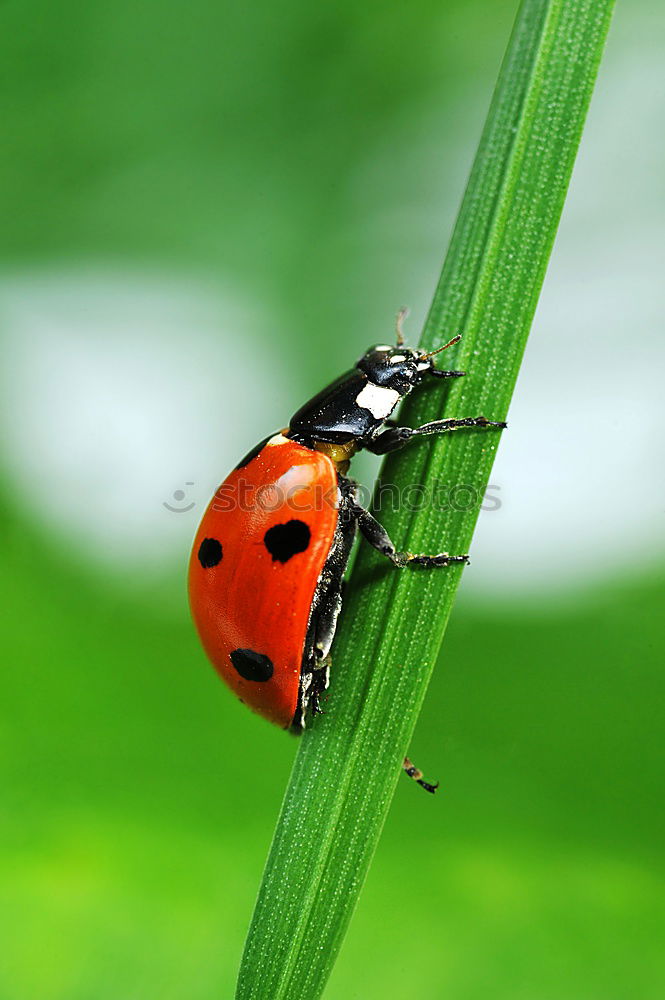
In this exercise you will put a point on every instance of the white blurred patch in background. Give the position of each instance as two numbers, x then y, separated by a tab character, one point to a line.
124	393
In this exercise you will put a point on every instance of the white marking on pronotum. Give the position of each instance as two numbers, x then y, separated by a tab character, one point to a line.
277	439
396	358
378	399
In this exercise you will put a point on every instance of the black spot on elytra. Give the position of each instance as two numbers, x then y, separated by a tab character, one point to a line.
210	552
285	540
252	666
253	453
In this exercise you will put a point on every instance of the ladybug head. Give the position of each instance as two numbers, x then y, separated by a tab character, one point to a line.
400	368
397	368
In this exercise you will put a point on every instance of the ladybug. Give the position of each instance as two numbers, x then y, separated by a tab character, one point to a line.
268	559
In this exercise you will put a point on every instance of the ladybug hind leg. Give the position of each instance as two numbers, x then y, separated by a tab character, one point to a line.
414	772
320	661
315	672
320	681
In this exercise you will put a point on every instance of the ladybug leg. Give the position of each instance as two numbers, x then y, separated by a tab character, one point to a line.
395	437
313	683
320	682
378	538
320	660
315	670
443	373
417	775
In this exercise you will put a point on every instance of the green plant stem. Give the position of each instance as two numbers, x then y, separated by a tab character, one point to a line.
347	766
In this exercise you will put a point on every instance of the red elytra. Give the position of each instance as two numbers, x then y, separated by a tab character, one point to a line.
255	564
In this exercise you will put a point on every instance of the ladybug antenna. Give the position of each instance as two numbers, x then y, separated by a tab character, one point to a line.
401	316
450	343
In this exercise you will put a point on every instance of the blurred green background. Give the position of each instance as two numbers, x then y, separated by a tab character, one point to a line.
208	211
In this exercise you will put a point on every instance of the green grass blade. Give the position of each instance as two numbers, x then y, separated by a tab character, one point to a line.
347	766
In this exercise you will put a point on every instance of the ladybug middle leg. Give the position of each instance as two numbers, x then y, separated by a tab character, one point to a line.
378	538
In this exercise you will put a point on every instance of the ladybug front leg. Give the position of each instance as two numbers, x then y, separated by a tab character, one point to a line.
378	537
396	437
